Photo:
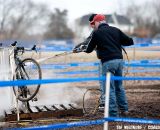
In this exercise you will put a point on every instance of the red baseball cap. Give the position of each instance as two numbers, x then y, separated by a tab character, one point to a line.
97	18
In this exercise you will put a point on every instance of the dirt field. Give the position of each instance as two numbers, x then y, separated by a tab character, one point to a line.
143	96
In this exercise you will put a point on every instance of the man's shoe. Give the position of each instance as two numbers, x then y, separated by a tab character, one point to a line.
101	107
124	113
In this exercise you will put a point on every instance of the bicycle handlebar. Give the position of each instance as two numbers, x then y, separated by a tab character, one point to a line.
33	48
22	48
14	43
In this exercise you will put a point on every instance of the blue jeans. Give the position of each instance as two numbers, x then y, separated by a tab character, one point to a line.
117	99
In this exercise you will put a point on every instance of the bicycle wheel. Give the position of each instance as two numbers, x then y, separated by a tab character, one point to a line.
29	69
91	101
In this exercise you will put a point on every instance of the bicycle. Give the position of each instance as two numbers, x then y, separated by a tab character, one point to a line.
25	69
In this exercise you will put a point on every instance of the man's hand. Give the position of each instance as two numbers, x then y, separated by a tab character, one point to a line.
79	48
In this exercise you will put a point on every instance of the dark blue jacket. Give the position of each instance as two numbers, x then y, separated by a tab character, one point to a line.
108	42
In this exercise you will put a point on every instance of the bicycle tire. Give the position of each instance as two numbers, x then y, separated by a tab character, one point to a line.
88	107
39	77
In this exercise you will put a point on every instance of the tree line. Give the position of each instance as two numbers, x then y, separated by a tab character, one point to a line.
145	17
21	19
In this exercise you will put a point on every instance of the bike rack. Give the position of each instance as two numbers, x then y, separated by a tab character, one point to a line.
37	112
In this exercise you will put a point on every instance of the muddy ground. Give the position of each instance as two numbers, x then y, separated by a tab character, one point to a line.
144	102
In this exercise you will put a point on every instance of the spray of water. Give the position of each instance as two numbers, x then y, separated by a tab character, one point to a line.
62	93
5	74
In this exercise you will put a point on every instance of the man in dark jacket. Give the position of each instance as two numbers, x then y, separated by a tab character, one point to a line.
108	42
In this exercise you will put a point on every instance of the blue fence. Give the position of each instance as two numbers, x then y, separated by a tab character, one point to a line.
147	64
67	80
80	123
97	72
69	48
60	66
92	122
136	63
68	44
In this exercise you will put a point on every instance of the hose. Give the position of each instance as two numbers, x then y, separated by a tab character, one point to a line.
57	55
96	105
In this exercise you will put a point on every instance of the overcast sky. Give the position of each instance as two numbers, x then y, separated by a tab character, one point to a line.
77	8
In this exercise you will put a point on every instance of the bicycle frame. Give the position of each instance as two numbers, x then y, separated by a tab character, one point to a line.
20	72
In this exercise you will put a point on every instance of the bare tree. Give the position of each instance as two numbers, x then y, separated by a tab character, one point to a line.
19	17
155	23
146	17
5	13
134	12
57	27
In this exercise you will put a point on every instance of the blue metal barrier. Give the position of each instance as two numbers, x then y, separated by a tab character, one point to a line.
67	80
96	72
142	63
92	122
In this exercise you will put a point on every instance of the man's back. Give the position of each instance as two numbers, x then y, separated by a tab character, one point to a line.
109	41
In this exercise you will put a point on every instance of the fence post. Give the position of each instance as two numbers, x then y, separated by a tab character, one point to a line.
17	108
134	58
106	109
